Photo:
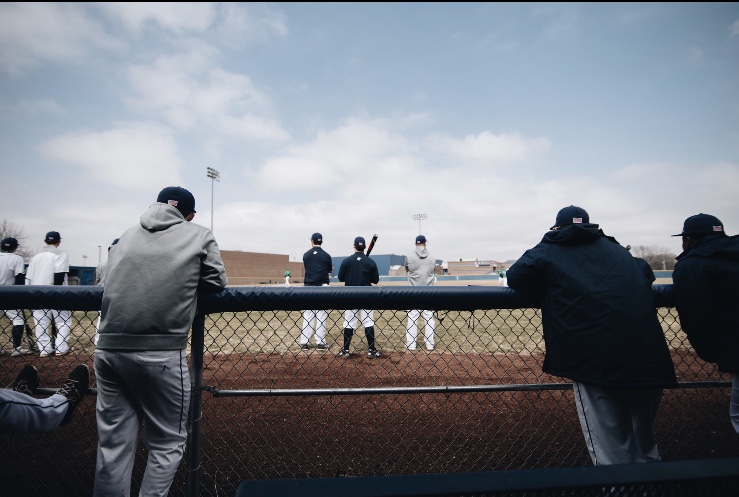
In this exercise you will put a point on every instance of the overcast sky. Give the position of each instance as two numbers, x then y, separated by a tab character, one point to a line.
349	118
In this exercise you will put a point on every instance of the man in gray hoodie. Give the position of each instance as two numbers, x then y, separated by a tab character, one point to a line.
149	302
420	265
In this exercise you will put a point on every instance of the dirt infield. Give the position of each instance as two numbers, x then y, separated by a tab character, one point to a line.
324	436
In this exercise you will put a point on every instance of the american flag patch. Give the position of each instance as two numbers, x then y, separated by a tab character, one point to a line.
576	220
173	203
718	228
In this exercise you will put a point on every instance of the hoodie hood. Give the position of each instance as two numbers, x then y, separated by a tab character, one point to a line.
422	252
160	217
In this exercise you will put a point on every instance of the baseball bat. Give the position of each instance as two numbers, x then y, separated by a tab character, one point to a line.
372	244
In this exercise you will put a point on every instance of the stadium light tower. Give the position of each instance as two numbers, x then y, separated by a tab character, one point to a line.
214	176
419	218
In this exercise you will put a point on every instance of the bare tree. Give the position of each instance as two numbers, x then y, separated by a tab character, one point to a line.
10	229
658	258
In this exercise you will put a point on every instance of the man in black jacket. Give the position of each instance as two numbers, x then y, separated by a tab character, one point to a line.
706	285
601	331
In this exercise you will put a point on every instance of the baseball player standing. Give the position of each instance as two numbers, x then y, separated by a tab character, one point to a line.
318	268
152	281
420	265
602	332
11	273
50	267
359	270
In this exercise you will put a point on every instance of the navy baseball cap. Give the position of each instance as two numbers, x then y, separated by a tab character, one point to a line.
53	237
702	224
359	242
9	243
178	197
420	239
317	238
571	215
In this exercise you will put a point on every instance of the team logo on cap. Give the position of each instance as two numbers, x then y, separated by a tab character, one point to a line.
576	220
718	228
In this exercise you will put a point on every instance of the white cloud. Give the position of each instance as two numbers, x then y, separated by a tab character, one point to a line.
241	24
189	92
491	148
122	156
176	17
353	149
34	33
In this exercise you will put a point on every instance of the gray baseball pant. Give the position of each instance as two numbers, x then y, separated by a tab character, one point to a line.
134	387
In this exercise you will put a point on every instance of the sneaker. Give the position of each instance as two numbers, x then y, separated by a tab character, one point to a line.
19	351
322	346
27	380
304	346
372	353
344	354
75	389
58	354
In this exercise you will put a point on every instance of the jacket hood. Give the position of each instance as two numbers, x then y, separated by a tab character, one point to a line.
575	234
159	217
720	246
422	252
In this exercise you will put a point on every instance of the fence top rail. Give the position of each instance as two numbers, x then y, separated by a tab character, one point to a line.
236	299
495	482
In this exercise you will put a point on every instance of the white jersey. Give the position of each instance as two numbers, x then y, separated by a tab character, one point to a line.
45	264
10	266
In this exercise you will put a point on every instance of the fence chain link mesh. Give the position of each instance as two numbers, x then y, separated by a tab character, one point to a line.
478	401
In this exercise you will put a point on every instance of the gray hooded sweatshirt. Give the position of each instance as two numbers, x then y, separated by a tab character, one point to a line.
152	280
420	265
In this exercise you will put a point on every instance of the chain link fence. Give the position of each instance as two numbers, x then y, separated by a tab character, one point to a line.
266	408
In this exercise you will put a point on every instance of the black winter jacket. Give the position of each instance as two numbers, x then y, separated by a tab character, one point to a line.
599	317
706	286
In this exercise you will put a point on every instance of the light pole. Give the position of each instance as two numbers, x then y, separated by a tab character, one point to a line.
419	218
100	254
84	260
214	176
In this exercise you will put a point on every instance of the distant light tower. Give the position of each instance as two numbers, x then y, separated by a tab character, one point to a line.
100	254
419	218
84	260
214	176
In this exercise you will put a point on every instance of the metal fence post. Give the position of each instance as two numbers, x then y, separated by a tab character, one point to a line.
192	487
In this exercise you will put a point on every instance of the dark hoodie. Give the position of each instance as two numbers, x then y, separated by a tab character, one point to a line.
706	285
598	312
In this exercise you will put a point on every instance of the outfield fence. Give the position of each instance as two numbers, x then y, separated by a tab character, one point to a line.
262	408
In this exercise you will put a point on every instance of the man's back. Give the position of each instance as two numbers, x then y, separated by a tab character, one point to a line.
45	264
598	313
358	270
706	285
152	278
318	266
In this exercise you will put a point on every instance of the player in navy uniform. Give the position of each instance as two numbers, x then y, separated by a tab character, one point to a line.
359	270
318	268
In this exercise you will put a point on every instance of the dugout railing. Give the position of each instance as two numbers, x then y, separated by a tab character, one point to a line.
263	409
